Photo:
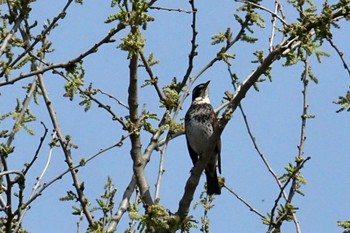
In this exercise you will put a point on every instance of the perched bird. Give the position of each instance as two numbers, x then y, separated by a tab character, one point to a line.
200	122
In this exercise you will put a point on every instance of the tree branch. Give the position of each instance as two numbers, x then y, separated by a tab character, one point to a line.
138	162
93	49
65	145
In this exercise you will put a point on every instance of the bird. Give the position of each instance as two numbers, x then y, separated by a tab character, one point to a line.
200	123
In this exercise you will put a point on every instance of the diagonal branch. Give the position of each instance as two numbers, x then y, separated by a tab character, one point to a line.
65	145
93	49
44	33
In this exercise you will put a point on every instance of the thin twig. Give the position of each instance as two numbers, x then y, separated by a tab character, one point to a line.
38	180
160	172
114	98
42	139
123	205
8	172
194	46
265	9
170	9
154	80
42	34
251	208
83	162
93	49
290	178
98	102
340	53
253	138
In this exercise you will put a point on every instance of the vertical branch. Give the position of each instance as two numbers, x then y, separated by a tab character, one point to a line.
136	155
193	52
160	172
295	177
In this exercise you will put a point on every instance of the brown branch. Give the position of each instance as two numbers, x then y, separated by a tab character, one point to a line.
194	46
290	178
42	34
340	54
265	9
30	164
65	145
123	205
192	182
115	117
240	93
114	98
154	80
251	208
170	9
253	138
138	162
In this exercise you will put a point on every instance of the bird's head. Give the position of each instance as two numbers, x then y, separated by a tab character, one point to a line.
200	93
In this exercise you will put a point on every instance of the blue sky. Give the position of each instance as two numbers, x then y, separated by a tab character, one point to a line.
273	112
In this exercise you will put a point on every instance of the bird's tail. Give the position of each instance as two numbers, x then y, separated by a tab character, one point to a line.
213	186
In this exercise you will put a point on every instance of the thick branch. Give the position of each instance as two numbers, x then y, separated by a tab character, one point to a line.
136	155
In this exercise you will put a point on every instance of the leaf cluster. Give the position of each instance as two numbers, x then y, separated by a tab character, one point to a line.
75	75
344	102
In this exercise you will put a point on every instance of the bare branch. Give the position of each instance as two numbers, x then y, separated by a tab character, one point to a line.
290	178
38	180
123	205
160	172
65	145
265	9
253	139
194	46
37	150
170	9
251	208
340	53
43	34
138	161
154	80
112	97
